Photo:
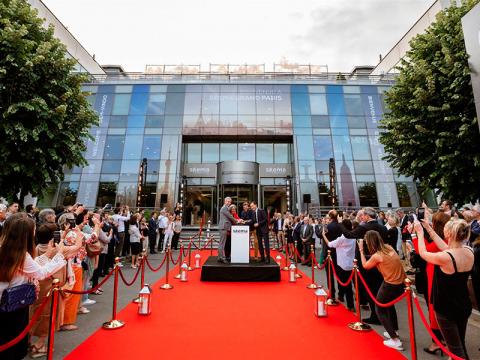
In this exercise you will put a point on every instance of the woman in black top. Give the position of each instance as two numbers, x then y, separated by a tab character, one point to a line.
450	297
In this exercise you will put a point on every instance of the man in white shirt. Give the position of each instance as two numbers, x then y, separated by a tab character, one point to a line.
162	224
119	220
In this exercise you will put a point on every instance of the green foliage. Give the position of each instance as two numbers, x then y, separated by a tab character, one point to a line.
431	131
44	116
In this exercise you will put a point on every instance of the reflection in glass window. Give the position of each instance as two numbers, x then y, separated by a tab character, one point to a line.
156	104
246	104
133	147
282	105
320	121
323	171
265	153
154	121
305	147
193	103
121	104
135	121
404	194
228	152
353	105
114	147
300	103
265	103
302	121
119	121
228	103
175	103
194	153
127	193
151	147
342	147
210	153
363	167
318	104
356	122
106	193
139	103
111	166
367	193
173	121
281	153
210	103
246	152
68	193
360	148
322	146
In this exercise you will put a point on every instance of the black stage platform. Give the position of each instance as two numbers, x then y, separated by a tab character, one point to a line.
254	271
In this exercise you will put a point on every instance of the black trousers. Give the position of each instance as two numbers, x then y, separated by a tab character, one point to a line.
346	290
99	269
13	324
175	238
374	280
453	331
152	239
160	239
263	244
126	245
109	259
388	316
228	246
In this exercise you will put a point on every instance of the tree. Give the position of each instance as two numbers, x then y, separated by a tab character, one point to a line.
44	116
431	130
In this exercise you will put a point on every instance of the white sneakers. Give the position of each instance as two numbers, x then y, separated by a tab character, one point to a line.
387	335
394	344
88	302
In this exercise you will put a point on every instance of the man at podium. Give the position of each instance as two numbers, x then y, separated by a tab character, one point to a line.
261	226
225	223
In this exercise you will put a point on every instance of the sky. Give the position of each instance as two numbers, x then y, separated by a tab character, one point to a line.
337	33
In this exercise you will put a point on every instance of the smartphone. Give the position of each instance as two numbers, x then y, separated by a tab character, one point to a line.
57	237
421	213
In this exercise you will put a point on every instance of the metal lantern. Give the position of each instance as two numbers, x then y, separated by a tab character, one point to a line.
291	269
145	300
278	260
321	307
184	272
197	261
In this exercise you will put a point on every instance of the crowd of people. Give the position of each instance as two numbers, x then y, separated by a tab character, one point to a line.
76	246
439	249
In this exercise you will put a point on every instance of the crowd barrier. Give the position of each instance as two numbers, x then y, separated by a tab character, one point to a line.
185	256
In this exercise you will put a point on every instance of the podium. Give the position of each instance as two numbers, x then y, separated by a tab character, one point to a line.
240	244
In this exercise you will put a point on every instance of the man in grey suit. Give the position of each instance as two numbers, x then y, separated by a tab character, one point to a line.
306	234
224	225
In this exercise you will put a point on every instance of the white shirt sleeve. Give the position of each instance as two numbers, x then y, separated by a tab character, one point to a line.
31	269
338	242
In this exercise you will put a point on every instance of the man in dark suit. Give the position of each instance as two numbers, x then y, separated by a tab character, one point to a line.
260	223
152	232
306	235
373	277
333	232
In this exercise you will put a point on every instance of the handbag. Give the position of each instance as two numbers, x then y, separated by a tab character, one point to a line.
18	297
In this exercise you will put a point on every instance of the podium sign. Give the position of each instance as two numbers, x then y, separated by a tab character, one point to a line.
240	244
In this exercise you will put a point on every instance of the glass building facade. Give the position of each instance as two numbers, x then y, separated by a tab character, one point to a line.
315	145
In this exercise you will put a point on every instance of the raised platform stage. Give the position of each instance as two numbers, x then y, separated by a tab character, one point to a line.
254	271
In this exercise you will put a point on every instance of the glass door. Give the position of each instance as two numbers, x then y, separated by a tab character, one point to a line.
238	193
275	197
199	201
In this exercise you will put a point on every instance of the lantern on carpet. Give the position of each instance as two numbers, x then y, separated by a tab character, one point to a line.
197	261
278	260
184	272
321	298
145	300
291	274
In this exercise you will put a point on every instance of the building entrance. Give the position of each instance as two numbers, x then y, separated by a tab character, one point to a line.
239	194
275	198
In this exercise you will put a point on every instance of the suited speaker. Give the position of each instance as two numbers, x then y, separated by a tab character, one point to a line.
307	199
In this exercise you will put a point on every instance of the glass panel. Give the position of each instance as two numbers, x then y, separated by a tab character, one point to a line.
265	153
156	104
307	171
106	193
210	103
403	193
356	122
228	152
68	193
322	147
342	148
135	121
320	122
175	103
133	147
353	105
363	167
111	166
193	103
282	153
121	104
367	193
360	148
318	104
300	103
139	103
123	88
114	147
151	147
210	153
228	104
194	153
154	121
118	121
305	147
127	193
246	152
173	121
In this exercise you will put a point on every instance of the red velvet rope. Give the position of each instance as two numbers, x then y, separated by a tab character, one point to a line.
338	280
186	250
25	331
391	303
134	278
178	258
155	269
204	246
432	334
92	290
320	267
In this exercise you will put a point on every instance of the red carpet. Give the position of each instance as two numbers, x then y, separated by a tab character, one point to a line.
243	321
